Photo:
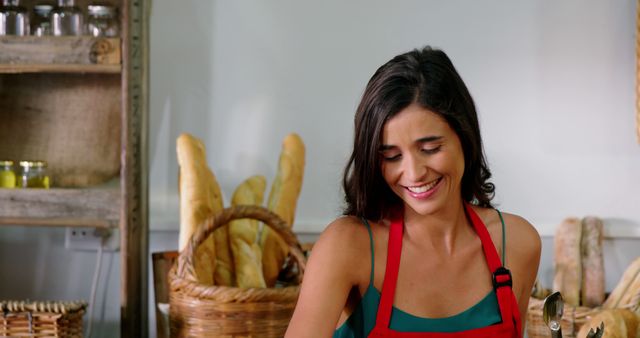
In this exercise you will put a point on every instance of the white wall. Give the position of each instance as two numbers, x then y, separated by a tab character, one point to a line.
553	83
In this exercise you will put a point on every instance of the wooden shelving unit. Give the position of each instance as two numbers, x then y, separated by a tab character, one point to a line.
49	82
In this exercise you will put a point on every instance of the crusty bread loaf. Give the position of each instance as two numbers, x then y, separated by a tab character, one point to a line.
618	323
197	201
247	255
282	200
568	270
592	262
627	289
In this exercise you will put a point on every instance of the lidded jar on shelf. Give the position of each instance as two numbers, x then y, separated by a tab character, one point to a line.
14	19
7	174
102	20
33	174
66	19
41	20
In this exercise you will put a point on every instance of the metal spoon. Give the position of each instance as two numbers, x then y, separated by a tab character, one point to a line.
552	313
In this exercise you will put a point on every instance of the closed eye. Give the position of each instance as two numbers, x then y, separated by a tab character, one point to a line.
392	158
431	151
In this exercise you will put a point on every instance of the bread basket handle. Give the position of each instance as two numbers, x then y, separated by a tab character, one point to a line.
186	257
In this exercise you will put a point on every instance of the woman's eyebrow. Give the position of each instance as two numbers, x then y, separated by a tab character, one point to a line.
425	139
428	139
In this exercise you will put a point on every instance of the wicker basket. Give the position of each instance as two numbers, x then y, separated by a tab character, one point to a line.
41	319
198	310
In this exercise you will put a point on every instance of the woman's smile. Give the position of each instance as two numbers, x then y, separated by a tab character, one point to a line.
424	191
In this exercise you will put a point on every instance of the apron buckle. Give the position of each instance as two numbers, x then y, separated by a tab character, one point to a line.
502	277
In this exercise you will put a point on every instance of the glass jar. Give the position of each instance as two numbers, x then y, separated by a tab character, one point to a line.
14	19
66	19
33	174
41	20
102	20
7	175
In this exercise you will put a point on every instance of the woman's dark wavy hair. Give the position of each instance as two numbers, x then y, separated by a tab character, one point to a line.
426	77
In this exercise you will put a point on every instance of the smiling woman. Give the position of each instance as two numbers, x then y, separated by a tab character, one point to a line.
418	196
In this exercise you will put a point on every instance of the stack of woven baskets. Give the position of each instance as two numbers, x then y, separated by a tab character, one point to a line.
41	319
579	276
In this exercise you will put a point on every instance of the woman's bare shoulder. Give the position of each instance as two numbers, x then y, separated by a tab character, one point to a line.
334	268
343	244
345	229
521	235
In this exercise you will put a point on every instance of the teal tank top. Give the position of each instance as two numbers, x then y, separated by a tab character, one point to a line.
361	322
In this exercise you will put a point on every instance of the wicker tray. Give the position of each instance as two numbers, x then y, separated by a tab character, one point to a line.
198	310
41	319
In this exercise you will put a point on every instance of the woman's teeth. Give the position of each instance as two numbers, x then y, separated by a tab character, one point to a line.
424	188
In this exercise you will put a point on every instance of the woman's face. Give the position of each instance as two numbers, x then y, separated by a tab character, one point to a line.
422	159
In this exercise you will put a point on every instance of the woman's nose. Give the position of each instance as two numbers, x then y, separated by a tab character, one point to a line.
414	169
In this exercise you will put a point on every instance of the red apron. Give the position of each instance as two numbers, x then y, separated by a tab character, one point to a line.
510	327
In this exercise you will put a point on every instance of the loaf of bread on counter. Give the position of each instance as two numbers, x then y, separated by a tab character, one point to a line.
283	199
243	233
198	200
618	323
628	288
568	268
592	262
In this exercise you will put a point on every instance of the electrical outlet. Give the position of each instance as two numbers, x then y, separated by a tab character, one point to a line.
90	239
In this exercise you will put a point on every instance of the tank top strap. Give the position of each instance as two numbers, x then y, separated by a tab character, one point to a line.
372	250
504	239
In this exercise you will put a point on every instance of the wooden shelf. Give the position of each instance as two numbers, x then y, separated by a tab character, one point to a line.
59	68
60	54
96	207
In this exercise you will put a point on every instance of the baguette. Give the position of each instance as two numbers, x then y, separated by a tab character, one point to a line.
247	255
568	268
627	290
224	273
196	203
282	200
592	262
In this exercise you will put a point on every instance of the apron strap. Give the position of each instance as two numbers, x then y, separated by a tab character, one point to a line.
493	259
391	273
501	276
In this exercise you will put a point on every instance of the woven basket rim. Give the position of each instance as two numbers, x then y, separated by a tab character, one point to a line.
182	276
61	307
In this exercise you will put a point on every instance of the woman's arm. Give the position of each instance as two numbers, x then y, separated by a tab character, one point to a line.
334	267
523	258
